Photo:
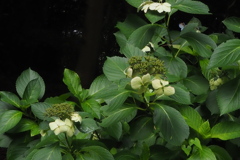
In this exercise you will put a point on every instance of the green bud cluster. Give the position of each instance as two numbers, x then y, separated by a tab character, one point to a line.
62	110
214	83
146	64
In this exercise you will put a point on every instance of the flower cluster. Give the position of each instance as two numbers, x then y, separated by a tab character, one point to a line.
215	83
59	126
141	65
161	87
159	7
67	126
62	110
65	117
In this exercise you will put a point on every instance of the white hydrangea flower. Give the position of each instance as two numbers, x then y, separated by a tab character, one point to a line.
146	49
160	7
128	72
59	126
138	82
161	87
76	117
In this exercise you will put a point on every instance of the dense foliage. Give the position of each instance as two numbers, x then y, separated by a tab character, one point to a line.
173	94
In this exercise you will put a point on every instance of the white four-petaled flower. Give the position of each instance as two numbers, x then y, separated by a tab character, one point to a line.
161	87
159	7
59	126
138	82
76	117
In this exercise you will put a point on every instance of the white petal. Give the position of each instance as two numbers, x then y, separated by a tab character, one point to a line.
68	122
160	8
136	83
153	6
59	122
53	125
145	8
146	49
166	7
64	128
76	117
146	78
168	91
57	131
164	83
156	84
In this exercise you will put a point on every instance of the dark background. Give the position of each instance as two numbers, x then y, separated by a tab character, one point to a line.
50	35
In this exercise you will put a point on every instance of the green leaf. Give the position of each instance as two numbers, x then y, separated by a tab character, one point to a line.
72	80
176	68
135	3
4	141
181	94
193	7
192	117
92	106
202	154
228	96
141	128
225	54
98	84
24	79
131	23
143	35
9	119
118	115
24	125
52	152
211	102
32	91
10	98
205	129
220	153
232	23
172	125
196	84
114	68
39	110
88	125
129	50
117	99
115	130
16	151
226	130
154	16
126	155
201	43
98	153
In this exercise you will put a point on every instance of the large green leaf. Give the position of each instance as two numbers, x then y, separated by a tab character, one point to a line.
114	68
202	154
32	91
192	117
118	115
117	99
226	130
39	110
228	96
9	119
92	106
232	23
131	23
181	94
143	35
176	68
200	43
172	125
72	80
220	153
52	152
196	84
125	154
193	7
225	54
88	125
24	79
99	84
98	153
141	128
129	50
154	16
115	130
10	98
135	3
24	125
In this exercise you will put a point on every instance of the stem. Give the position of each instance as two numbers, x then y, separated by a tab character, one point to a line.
69	146
180	49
